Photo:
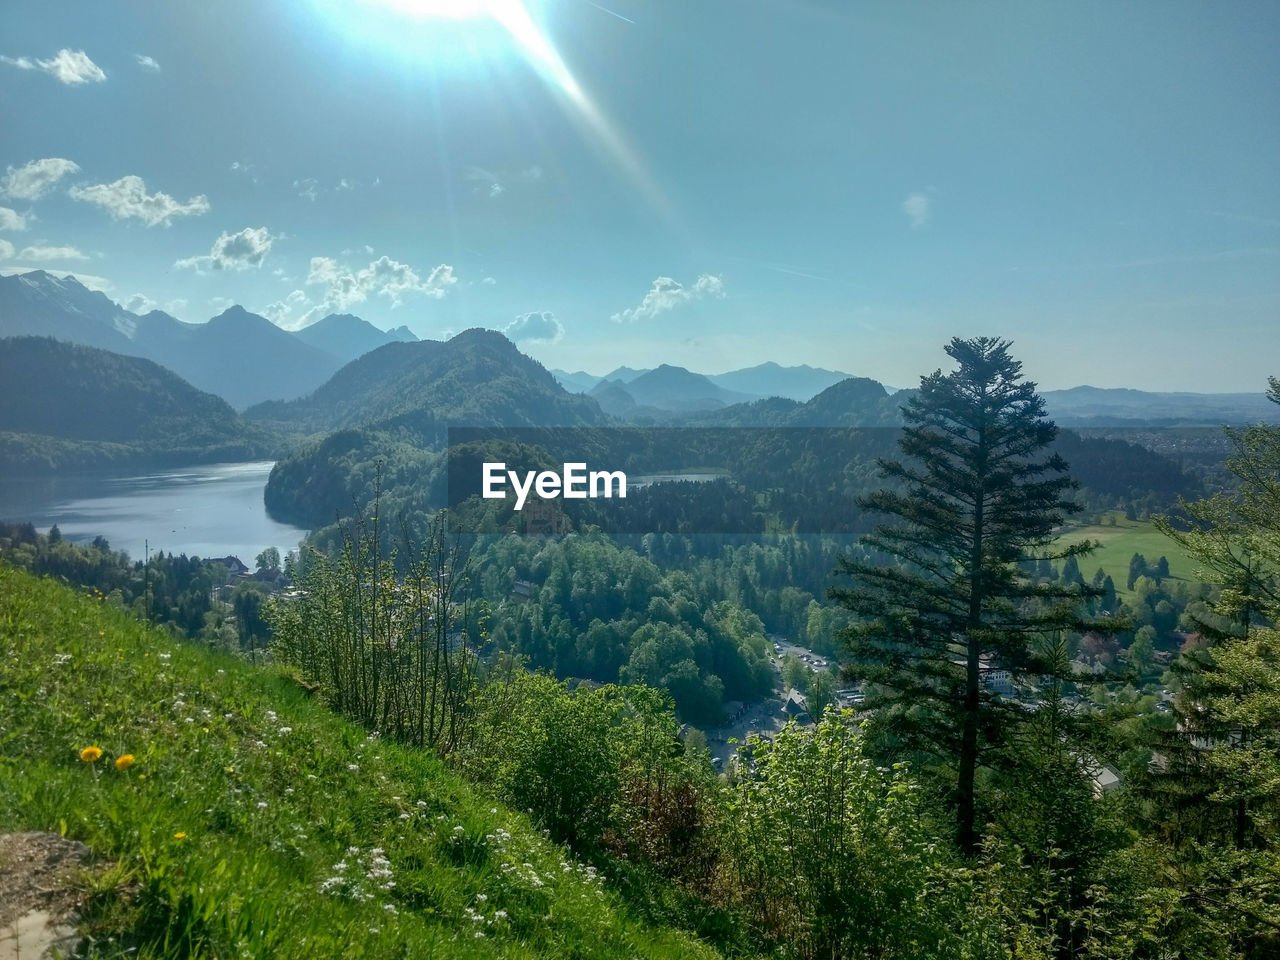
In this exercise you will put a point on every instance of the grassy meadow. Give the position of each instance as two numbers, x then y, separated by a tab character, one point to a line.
1120	542
236	817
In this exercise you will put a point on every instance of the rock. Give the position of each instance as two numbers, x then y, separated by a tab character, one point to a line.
39	898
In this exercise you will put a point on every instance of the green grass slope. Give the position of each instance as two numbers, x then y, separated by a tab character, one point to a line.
1119	543
256	823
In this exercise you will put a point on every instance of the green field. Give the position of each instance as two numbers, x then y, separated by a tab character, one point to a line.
1120	542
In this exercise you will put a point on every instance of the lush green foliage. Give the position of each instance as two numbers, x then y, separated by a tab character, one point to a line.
592	609
174	591
254	822
834	856
387	651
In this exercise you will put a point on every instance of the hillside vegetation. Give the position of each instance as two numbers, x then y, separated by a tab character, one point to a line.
477	378
254	822
69	406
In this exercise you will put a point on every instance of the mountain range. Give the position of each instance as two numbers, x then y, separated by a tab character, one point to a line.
664	389
248	360
750	383
240	356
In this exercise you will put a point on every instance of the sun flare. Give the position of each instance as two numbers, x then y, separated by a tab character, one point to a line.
441	9
527	37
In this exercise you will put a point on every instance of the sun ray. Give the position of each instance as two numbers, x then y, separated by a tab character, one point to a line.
514	18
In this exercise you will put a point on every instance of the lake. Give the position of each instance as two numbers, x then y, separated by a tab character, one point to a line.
213	510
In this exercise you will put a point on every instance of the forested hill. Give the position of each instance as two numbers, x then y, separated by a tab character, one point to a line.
477	378
65	405
854	402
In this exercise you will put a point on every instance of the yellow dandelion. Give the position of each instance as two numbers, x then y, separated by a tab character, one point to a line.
90	754
124	761
179	835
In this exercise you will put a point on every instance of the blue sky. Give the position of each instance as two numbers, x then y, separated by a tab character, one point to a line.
711	183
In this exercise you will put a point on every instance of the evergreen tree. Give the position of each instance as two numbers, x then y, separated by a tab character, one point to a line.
1137	568
1071	571
977	493
1203	794
1109	599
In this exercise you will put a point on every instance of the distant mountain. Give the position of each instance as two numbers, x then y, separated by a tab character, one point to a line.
676	389
855	402
613	398
242	357
625	374
65	405
347	337
478	378
772	380
1097	406
577	382
39	304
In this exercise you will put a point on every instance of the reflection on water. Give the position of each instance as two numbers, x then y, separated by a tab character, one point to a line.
207	511
652	478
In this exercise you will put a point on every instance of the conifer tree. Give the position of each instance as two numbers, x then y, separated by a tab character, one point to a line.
1205	795
940	600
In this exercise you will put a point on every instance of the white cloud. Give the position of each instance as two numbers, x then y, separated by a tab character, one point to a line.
383	277
245	170
139	303
540	325
41	254
33	180
127	198
12	220
220	303
307	188
917	208
489	282
496	184
488	182
91	281
667	294
282	312
146	63
6	250
233	251
68	66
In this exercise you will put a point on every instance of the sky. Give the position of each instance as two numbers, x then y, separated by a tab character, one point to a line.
708	183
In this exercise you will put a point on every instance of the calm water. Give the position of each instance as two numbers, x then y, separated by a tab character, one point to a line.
208	511
651	478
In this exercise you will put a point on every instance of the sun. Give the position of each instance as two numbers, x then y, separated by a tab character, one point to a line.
437	30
